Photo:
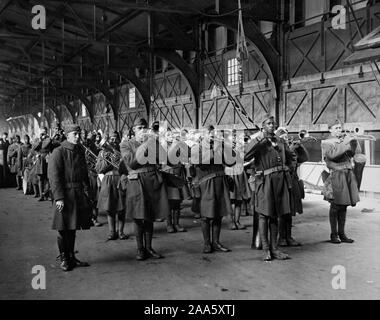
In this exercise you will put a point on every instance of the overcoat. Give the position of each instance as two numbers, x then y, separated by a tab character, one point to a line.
68	178
146	195
338	154
15	158
212	180
241	189
272	189
179	170
43	147
110	196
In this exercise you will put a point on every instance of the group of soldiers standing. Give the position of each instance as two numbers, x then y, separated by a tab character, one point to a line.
145	177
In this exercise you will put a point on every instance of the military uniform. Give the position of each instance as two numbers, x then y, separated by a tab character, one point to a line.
110	197
146	195
176	195
338	154
272	186
68	177
15	160
214	191
300	155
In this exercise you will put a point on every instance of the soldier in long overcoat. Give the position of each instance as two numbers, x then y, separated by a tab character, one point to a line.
69	181
43	148
15	160
338	151
210	157
146	195
272	184
300	155
110	199
176	195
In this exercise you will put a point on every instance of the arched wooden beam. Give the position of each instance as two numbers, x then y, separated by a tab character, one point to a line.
110	98
176	60
139	85
267	53
81	97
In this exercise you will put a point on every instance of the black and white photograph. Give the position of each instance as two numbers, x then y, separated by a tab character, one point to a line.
190	155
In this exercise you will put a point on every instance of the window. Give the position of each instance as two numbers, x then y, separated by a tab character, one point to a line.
232	72
132	97
374	146
299	13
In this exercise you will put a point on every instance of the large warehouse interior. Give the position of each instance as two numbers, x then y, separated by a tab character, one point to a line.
190	65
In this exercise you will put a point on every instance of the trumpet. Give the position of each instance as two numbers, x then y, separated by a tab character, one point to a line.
354	133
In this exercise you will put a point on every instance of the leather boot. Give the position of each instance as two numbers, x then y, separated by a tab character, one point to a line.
41	188
139	232
289	239
275	253
205	225
111	226
169	222
63	252
263	231
216	228
233	225
74	262
121	222
176	222
333	217
256	241
148	234
282	228
341	224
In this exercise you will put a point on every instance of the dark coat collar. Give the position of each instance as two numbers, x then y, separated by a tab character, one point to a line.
67	145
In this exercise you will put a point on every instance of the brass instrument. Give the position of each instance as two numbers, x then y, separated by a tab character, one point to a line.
90	158
303	137
354	133
114	156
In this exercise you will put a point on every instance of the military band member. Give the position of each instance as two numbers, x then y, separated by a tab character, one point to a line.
241	191
146	196
300	155
338	151
88	140
43	148
214	188
15	159
68	177
272	159
110	197
175	195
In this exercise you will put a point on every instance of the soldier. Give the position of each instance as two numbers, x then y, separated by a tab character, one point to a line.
4	145
175	195
88	140
338	151
241	191
213	186
110	197
43	148
146	196
68	177
272	183
300	155
15	160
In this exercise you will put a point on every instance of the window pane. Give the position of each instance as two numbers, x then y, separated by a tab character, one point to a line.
132	98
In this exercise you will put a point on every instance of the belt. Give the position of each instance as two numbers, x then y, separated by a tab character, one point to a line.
272	170
142	170
211	176
74	185
112	173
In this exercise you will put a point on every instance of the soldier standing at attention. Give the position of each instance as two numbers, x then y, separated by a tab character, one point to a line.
70	187
272	184
338	151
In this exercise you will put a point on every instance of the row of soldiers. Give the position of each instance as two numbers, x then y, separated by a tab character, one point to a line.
138	184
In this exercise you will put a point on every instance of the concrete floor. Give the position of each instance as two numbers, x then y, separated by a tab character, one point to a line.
26	240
